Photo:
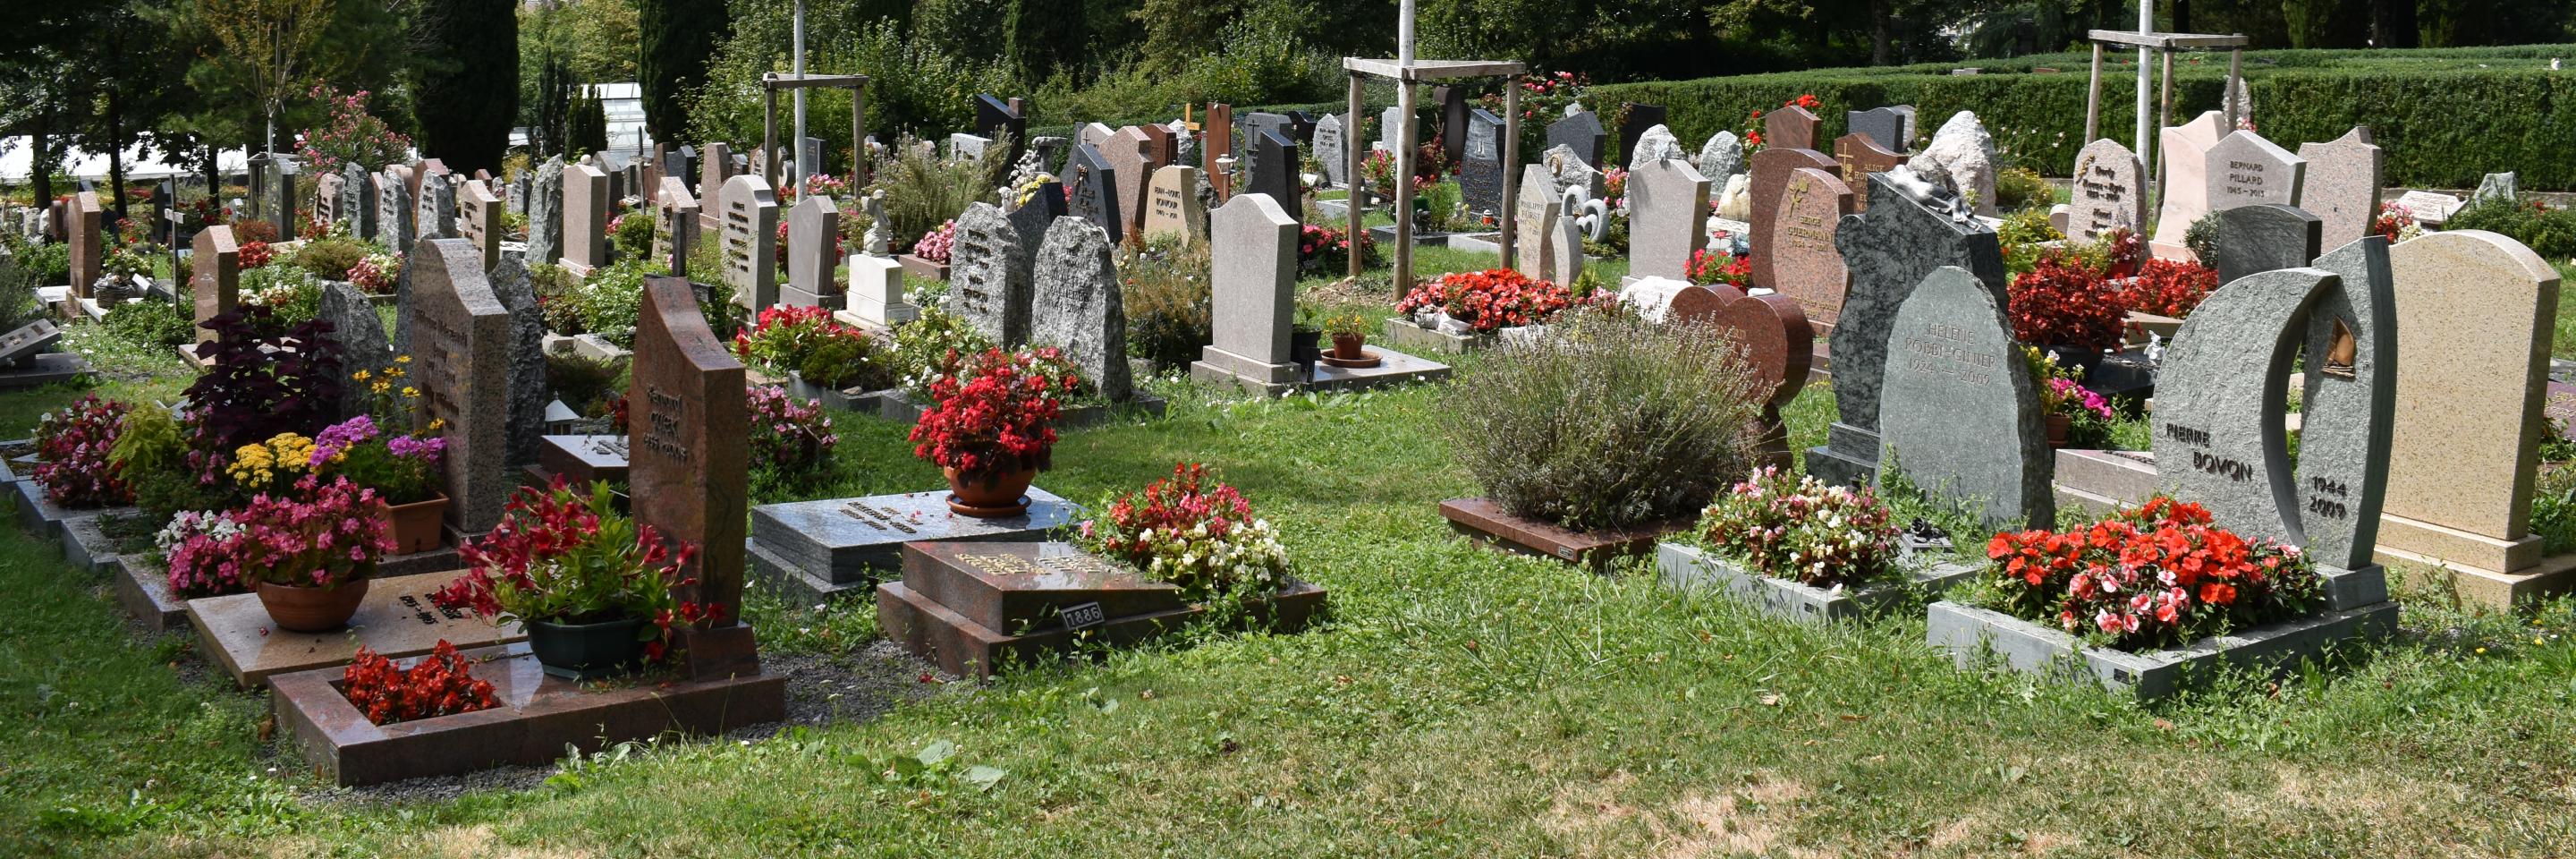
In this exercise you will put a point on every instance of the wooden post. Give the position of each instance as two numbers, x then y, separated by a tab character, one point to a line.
1404	182
1512	171
2235	63
769	133
858	138
2164	119
1358	186
2093	100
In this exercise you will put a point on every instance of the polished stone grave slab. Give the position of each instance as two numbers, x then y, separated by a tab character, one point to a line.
816	550
396	620
1486	523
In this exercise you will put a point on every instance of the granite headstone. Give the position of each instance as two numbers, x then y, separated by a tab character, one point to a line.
1959	414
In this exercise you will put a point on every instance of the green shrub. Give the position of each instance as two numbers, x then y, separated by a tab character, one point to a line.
582	382
149	324
1607	421
48	264
2021	234
634	235
2019	188
922	349
2202	238
611	302
291	294
151	453
923	192
843	363
2553	511
1167	296
2551	233
330	259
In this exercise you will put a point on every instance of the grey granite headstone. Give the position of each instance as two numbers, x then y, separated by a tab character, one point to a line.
353	208
361	335
461	360
545	212
1721	159
2349	408
27	340
530	390
1075	301
585	218
1253	292
1892	127
2247	170
813	231
1958	412
1565	253
2263	238
2502	186
1567	169
748	240
2110	191
1582	131
520	192
966	147
988	275
1095	191
1909	230
1330	151
1961	158
1540	207
1389	129
1655	145
2342	186
854	541
1668	217
393	207
1030	220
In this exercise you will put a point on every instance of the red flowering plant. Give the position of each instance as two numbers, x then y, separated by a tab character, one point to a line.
1710	266
786	335
2160	575
323	535
2395	222
936	245
255	254
441	684
1788	527
72	460
1194	531
349	133
1322	248
1489	300
997	415
2122	251
2170	287
563	557
2063	302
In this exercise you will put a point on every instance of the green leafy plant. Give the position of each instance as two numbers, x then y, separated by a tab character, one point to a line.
2202	237
934	346
2553	510
1787	527
331	259
922	191
2019	188
611	302
149	324
1607	421
1166	295
2022	236
292	295
583	382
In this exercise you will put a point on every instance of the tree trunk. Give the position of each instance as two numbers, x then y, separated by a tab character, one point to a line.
2182	16
116	151
1879	53
42	151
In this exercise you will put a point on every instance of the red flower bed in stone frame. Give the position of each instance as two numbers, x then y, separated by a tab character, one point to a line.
2157	576
1489	300
441	685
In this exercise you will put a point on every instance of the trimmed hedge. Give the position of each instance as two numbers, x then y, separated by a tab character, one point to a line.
2445	116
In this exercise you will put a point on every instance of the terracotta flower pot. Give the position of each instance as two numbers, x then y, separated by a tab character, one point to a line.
2057	428
1347	346
989	495
587	651
415	527
310	609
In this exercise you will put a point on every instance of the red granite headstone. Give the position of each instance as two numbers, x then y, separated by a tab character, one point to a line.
1771	169
1791	127
686	463
1778	344
1861	156
216	279
1804	263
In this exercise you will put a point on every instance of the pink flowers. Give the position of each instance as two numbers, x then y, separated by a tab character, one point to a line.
788	433
1791	528
71	452
335	538
2075	398
936	245
1489	300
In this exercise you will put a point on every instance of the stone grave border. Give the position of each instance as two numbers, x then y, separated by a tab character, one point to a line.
1972	636
1690	568
1486	524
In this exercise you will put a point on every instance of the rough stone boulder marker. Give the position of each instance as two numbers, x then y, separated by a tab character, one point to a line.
1075	305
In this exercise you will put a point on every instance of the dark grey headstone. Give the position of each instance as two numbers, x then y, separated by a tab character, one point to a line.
1251	125
2349	409
1032	219
1582	132
988	275
1480	170
545	212
361	335
1095	190
996	119
1453	121
1959	414
354	210
1892	127
1889	250
1273	169
1076	305
28	340
2265	237
1640	117
529	388
854	541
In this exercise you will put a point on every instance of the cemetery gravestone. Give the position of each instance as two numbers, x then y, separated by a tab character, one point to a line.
714	170
1453	120
585	225
2247	170
393	207
1095	191
1775	339
2110	191
2496	186
1540	207
750	240
1961	157
989	275
1125	154
1390	130
1273	169
813	234
1805	265
2186	178
281	191
1565	259
1330	150
1914	229
460	347
1791	127
216	278
2263	238
1480	174
1076	305
1176	210
1219	146
1253	288
1634	123
1771	170
1722	158
481	223
1032	218
529	391
1860	156
675	223
357	206
1581	131
1892	128
685	458
435	210
361	335
545	212
326	198
2342	184
1959	414
999	120
1655	145
2348	407
1668	206
2474	318
966	147
88	248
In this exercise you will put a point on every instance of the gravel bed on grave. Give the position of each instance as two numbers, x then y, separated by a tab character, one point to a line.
821	689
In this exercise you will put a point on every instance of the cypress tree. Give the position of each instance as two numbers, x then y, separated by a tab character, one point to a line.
678	38
466	81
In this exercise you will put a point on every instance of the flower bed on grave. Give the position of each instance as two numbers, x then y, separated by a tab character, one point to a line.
1467	310
2139	600
1797	548
816	356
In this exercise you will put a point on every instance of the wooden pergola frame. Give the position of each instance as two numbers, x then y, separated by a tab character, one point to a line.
1406	77
2164	44
772	82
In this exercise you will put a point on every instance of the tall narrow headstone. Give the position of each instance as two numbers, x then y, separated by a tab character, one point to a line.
675	225
1581	131
361	335
1633	125
750	240
1273	167
393	207
715	167
434	213
1095	191
1390	130
460	348
1540	206
215	279
2185	186
585	219
1331	152
2110	191
1480	172
2348	407
2263	238
357	202
1218	146
813	232
545	212
1959	414
1176	209
479	220
1668	217
2247	170
996	119
989	274
2342	184
686	461
88	248
529	390
326	198
1076	305
1806	265
281	191
1253	289
1125	154
1890	249
1453	120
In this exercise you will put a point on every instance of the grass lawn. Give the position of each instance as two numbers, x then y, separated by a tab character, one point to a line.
1459	703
